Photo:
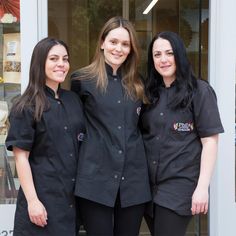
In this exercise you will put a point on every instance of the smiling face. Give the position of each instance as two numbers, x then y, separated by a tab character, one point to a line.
164	61
116	47
56	66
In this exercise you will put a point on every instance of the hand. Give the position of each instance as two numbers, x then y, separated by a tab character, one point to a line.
200	200
37	213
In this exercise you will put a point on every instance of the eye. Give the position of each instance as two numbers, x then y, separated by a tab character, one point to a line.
113	42
157	55
170	54
53	59
66	59
126	44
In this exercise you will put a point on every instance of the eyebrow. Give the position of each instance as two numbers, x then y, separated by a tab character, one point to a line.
114	38
56	55
168	50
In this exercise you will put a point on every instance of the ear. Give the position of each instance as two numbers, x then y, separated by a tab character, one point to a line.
102	46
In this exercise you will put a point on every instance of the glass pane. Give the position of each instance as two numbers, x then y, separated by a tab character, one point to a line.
10	88
78	23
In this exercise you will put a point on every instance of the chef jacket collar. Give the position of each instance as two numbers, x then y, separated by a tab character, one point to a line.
109	70
171	85
51	93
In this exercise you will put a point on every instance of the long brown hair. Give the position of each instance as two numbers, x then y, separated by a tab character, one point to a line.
34	96
130	77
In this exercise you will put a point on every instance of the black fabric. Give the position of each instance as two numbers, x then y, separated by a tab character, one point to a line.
53	144
168	223
112	156
173	145
101	220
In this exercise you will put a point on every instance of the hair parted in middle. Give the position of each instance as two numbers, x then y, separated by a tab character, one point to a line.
185	81
34	95
97	70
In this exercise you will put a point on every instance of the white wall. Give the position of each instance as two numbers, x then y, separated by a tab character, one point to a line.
222	77
34	25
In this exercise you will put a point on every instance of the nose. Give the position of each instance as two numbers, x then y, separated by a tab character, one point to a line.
163	58
118	47
60	62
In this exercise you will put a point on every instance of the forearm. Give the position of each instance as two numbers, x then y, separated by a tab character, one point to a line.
208	159
25	174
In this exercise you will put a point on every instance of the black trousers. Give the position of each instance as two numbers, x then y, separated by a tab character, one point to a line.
166	222
101	220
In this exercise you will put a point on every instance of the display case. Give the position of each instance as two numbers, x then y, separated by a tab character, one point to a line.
10	88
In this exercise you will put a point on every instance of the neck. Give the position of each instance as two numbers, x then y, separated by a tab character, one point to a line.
168	81
54	87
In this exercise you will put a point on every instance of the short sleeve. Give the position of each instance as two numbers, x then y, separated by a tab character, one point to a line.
206	114
21	132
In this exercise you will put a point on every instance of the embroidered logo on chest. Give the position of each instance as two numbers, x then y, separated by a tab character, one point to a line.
183	127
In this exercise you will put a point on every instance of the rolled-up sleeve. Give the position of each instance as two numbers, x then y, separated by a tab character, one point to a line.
206	113
21	132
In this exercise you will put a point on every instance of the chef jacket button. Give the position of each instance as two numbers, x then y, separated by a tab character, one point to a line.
71	154
65	127
123	178
157	137
115	176
73	180
120	151
161	114
154	162
58	102
119	127
115	79
118	101
71	205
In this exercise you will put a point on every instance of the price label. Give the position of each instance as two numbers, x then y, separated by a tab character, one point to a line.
6	232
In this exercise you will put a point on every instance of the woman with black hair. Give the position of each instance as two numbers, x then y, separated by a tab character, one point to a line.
46	125
180	129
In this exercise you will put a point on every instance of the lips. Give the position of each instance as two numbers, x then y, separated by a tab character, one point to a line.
60	72
116	56
165	67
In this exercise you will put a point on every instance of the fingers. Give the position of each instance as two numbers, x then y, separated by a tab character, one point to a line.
37	213
198	208
39	218
206	209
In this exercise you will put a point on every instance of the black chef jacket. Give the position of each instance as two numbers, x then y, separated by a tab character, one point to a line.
173	145
53	144
112	156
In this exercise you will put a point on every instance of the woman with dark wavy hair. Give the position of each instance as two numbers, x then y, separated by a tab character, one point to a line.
112	182
180	130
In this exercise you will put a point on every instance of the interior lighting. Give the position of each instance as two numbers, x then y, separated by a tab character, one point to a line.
150	6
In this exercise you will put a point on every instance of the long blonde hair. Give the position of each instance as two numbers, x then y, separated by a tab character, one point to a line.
130	77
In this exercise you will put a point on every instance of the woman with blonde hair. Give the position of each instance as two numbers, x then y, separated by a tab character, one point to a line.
112	182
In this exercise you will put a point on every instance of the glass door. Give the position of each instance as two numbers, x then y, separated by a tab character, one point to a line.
10	88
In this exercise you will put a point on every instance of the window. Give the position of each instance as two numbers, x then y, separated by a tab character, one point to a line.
10	88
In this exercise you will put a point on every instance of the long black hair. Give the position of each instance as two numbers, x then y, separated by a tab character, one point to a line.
34	95
186	81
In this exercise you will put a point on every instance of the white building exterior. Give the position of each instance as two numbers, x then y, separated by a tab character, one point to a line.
222	76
